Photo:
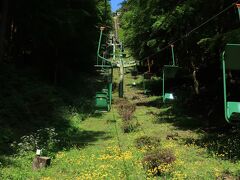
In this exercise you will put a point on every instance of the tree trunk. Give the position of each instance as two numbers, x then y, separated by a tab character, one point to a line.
3	26
40	162
195	80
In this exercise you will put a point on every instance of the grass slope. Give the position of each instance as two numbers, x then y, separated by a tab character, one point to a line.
107	153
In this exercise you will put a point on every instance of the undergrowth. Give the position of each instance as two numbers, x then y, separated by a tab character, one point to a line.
158	162
126	110
147	142
33	111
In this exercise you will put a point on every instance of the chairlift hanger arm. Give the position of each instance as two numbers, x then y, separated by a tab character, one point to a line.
99	46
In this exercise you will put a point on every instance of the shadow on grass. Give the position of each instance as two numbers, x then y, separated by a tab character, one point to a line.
153	103
179	120
221	140
29	104
202	114
222	143
4	161
81	139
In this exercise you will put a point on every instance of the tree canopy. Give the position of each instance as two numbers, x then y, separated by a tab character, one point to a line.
151	26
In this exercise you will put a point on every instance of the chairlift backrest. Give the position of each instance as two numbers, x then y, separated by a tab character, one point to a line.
170	71
232	56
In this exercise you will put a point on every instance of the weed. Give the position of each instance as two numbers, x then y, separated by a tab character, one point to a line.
45	139
129	126
147	142
158	162
109	121
126	109
173	136
227	175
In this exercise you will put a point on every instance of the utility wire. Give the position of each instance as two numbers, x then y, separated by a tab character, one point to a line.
194	29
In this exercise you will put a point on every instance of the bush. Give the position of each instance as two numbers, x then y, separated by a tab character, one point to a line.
227	175
158	162
147	142
126	109
45	139
129	126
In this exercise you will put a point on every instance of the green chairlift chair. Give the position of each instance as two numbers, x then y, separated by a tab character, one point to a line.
103	98
169	71
230	61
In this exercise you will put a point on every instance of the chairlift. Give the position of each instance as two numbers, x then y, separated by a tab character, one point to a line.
103	98
169	72
230	61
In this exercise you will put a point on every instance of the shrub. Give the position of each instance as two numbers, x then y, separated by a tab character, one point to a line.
126	109
158	162
45	139
129	126
147	142
227	175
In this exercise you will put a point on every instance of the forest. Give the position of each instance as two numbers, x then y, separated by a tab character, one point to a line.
47	55
102	107
199	31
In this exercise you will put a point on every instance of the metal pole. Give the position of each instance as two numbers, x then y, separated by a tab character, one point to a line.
224	87
114	51
99	43
110	88
173	56
163	86
121	83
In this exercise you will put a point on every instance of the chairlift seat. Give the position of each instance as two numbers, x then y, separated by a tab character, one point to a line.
170	71
232	107
102	101
105	91
232	56
231	61
169	96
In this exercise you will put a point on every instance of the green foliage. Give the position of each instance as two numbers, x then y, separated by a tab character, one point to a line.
147	142
99	150
150	26
158	162
126	109
45	77
33	105
44	139
129	126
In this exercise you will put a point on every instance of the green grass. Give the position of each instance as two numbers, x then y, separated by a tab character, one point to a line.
103	151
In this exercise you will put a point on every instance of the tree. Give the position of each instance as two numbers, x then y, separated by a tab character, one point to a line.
3	25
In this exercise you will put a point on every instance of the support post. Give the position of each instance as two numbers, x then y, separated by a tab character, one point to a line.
121	83
224	87
163	86
173	56
110	88
114	51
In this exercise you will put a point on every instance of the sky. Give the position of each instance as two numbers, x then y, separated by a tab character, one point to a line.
115	4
